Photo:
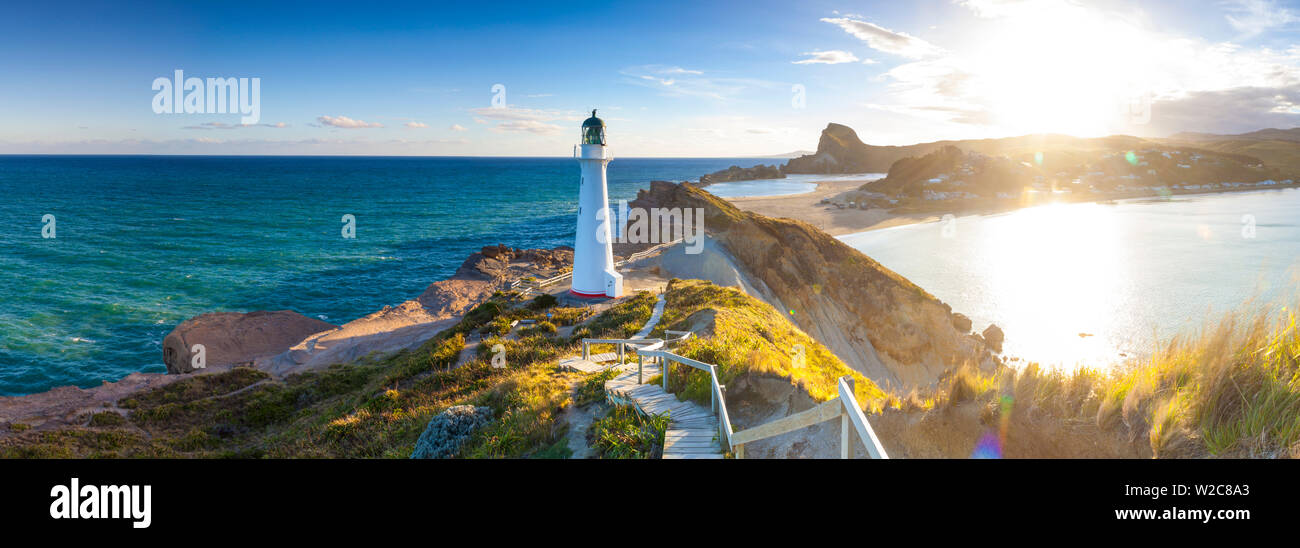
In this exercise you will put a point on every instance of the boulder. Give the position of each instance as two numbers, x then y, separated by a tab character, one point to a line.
994	337
961	322
446	432
231	338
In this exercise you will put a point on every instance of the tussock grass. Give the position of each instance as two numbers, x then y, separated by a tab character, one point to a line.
1231	390
626	434
749	336
592	389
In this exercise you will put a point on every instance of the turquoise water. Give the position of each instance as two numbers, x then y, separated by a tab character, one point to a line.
1125	276
143	243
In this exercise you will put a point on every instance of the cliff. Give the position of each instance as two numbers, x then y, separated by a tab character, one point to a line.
839	150
878	322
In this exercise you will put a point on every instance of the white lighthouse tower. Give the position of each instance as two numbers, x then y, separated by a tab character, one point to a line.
593	257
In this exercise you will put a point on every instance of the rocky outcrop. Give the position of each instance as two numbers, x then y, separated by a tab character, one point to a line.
737	173
994	336
232	338
908	175
841	151
878	322
484	272
411	323
961	322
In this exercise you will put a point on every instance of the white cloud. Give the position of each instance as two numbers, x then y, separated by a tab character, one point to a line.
679	82
882	39
523	120
1044	66
457	127
529	126
831	57
223	125
416	125
347	123
995	8
529	114
1253	17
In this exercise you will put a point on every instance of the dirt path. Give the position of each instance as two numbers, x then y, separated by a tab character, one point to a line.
579	419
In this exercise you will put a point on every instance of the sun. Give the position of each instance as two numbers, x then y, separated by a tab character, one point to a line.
1058	68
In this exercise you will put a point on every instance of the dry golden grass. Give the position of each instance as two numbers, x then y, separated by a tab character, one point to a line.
1231	390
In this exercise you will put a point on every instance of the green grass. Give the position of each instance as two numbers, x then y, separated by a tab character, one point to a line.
751	337
592	389
107	418
626	434
375	407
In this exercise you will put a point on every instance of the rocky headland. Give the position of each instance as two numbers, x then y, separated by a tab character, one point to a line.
878	322
737	173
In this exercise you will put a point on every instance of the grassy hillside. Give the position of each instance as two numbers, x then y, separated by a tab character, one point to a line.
372	408
743	335
1232	390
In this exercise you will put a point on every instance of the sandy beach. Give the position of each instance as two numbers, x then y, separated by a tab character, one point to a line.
830	219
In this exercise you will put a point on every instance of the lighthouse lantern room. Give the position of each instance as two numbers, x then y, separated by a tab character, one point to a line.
593	257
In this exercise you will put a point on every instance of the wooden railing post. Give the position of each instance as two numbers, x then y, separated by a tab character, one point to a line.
846	434
620	353
586	350
640	368
717	410
713	394
664	366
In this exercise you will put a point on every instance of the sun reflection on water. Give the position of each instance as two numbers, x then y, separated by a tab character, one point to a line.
1054	263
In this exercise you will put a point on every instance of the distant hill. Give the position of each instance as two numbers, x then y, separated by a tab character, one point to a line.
1279	148
841	151
785	156
1270	134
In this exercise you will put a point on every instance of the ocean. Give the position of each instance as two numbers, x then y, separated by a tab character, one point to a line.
1096	284
142	243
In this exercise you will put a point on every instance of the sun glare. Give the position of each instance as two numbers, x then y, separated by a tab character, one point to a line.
1051	259
1056	68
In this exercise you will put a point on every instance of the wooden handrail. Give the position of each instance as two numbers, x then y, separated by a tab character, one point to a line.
854	414
845	407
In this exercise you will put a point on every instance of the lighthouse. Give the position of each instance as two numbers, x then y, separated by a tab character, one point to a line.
593	257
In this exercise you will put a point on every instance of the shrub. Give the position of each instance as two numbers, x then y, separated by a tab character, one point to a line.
543	301
542	328
107	418
447	431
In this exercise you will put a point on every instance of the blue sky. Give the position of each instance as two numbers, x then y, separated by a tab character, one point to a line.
670	78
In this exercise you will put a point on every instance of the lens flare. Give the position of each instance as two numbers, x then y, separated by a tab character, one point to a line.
988	447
